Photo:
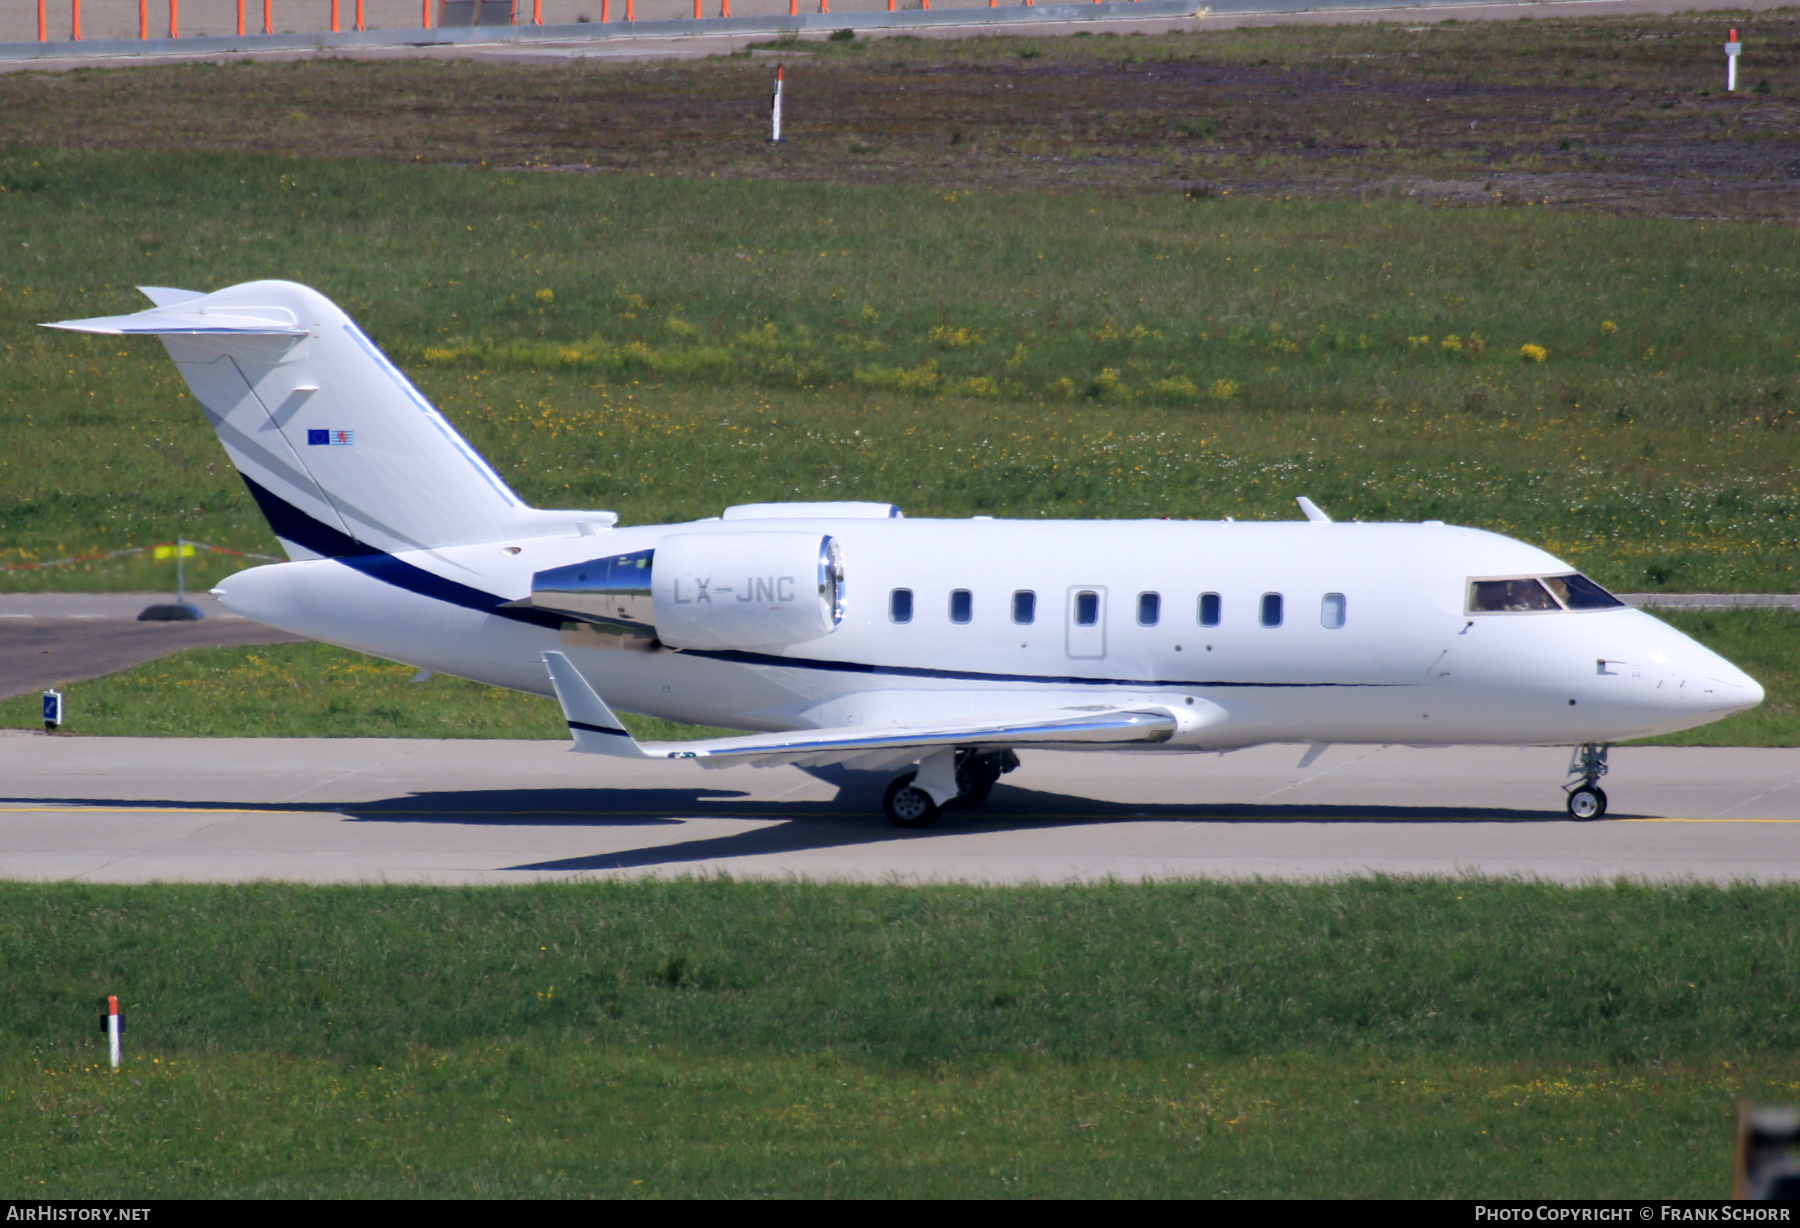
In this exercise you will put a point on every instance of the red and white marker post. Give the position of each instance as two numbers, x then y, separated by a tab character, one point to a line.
775	109
1733	49
115	1024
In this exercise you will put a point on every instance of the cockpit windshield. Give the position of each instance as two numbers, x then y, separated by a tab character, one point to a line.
1577	592
1528	594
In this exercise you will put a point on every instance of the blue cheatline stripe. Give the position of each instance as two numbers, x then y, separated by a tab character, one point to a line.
296	526
291	523
583	725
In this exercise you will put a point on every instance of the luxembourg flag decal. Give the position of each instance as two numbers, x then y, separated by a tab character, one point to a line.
330	439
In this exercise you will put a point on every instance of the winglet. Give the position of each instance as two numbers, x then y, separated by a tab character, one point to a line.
1312	510
592	724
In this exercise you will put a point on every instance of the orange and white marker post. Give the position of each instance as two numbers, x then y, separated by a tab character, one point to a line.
775	109
115	1024
1732	49
75	20
174	19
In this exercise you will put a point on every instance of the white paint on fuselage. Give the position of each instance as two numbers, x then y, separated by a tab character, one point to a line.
1408	665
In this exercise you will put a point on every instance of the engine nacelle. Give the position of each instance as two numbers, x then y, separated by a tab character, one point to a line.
746	590
749	591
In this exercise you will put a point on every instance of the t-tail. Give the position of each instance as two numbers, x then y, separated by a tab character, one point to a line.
344	456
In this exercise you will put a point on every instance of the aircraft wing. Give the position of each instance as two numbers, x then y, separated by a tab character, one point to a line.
597	731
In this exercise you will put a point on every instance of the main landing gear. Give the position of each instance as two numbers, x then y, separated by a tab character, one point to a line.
1587	800
911	804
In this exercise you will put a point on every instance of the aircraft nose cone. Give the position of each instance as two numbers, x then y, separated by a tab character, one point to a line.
1738	690
1726	687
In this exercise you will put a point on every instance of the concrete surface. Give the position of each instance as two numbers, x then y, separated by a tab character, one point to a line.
134	810
49	639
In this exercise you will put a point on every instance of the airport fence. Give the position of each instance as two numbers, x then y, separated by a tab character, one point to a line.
433	21
88	29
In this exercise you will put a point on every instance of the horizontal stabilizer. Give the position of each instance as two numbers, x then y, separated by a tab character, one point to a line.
178	318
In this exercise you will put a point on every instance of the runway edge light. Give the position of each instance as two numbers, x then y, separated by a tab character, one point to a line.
53	711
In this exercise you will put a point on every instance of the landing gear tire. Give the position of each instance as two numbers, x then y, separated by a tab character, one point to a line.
977	774
975	779
907	806
1587	802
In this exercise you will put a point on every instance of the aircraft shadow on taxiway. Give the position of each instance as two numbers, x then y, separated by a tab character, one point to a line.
852	818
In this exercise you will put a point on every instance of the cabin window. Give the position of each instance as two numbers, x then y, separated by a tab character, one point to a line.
1024	607
900	605
962	605
1509	597
1209	609
1271	609
1087	608
1577	592
1149	609
1331	610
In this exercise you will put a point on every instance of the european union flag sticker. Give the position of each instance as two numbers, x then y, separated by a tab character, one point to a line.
318	439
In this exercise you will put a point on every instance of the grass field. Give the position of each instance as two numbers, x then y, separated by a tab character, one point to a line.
663	347
303	691
1618	113
317	691
1361	1038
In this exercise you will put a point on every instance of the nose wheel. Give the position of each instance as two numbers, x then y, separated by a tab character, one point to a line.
1587	800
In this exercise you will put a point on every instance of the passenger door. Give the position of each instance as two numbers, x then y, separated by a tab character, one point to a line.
1085	617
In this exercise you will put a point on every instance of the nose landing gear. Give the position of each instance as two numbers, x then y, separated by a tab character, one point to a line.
1587	800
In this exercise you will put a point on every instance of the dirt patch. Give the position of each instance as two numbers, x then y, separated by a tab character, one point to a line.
1622	113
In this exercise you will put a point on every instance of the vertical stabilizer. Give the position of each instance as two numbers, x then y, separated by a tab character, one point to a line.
342	453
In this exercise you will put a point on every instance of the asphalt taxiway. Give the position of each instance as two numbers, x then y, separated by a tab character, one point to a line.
401	810
49	639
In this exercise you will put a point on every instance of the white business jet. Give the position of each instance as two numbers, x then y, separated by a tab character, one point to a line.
931	649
